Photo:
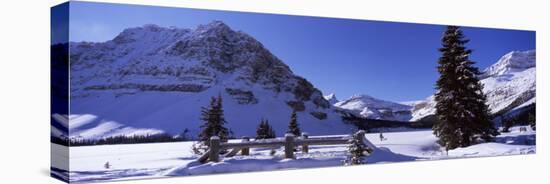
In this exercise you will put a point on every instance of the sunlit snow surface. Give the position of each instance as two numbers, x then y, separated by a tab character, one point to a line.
139	161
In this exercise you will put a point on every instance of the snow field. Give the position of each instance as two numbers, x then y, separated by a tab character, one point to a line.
134	161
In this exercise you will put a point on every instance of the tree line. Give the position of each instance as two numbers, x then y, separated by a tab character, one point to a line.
124	139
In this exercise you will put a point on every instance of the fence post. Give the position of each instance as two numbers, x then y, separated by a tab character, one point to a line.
361	135
245	151
214	149
289	145
305	147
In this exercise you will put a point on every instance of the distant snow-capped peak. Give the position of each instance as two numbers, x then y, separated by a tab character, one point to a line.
331	98
373	108
362	100
515	61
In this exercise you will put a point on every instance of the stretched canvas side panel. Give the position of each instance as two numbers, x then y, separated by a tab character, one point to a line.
59	96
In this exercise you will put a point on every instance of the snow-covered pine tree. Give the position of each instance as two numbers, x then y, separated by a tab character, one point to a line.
463	116
357	151
214	121
293	126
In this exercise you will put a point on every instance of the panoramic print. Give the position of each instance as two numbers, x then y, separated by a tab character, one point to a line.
147	92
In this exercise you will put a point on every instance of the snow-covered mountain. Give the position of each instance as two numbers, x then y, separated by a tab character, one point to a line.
509	84
423	109
154	79
373	108
513	62
331	98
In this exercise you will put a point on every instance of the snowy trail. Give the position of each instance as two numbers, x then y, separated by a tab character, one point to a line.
176	159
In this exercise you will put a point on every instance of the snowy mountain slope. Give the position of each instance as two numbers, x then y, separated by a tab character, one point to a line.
150	79
423	109
508	84
372	108
331	98
515	61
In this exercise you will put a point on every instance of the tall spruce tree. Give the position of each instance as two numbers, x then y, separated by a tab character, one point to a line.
213	121
463	116
261	131
293	126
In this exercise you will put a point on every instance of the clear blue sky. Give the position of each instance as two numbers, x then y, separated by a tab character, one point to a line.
387	60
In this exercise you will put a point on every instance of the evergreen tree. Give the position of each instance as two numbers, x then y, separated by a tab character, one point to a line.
507	123
261	130
214	121
264	130
463	116
293	126
357	151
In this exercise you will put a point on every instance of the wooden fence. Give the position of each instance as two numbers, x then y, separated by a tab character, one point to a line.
289	142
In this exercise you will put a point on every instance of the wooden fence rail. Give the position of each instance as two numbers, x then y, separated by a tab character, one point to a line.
289	142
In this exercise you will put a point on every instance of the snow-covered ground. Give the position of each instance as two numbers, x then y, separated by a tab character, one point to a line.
176	159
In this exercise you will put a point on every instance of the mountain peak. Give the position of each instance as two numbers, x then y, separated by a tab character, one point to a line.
217	24
148	32
373	108
362	100
515	61
217	27
331	98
